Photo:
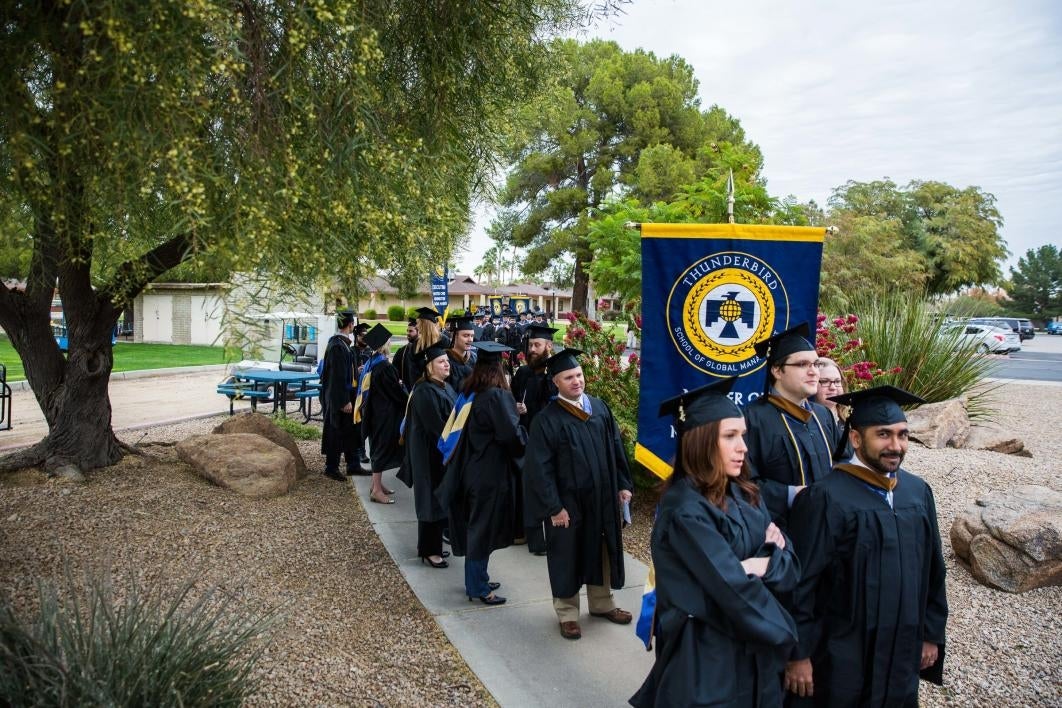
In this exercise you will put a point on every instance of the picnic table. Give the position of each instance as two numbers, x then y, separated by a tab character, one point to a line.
254	383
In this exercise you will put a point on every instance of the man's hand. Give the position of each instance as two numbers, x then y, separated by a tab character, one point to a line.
349	408
625	496
755	566
561	518
361	369
775	536
521	409
798	677
930	651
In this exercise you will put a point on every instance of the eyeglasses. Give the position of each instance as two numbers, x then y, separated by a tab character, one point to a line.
805	365
830	382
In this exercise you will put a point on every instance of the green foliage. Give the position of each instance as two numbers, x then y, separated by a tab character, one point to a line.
297	430
902	330
141	647
927	234
369	314
411	313
973	305
1036	284
613	123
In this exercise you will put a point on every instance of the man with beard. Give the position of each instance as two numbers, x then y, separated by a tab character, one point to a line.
488	329
790	437
533	389
403	358
870	607
460	353
578	483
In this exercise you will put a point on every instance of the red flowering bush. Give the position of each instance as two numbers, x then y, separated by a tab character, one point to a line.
838	339
609	375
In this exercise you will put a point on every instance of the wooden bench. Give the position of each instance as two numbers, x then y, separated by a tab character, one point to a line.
235	390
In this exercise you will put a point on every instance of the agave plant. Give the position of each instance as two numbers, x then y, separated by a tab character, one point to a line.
914	350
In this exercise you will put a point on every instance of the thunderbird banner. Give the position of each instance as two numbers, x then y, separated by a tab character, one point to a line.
709	293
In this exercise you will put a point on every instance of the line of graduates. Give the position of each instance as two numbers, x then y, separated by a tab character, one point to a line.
782	576
794	559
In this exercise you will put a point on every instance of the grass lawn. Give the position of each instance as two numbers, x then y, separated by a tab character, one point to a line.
131	357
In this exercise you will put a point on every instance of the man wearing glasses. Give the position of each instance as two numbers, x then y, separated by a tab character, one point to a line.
789	436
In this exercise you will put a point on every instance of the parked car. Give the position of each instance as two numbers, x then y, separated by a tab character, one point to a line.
1022	327
988	339
1053	327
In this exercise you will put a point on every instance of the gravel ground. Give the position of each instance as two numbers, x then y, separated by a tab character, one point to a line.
352	632
1002	649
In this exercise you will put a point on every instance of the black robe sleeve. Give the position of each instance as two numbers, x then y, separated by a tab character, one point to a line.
752	612
815	526
936	618
540	469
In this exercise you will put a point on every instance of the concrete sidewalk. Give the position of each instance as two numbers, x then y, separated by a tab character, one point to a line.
516	649
138	400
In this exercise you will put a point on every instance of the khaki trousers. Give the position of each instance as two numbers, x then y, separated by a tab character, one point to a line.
599	596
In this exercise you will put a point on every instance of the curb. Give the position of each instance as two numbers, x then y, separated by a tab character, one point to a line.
23	384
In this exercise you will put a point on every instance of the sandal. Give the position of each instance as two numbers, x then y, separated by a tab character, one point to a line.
388	500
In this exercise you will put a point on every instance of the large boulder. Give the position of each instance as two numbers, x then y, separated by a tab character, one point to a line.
1013	540
992	437
258	424
243	462
938	425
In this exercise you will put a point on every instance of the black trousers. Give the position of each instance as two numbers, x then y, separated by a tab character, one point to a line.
341	440
429	538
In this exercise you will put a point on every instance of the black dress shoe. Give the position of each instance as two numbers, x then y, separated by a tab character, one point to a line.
334	474
491	599
363	457
358	472
433	564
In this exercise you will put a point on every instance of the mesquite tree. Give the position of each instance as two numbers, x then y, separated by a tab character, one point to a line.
310	140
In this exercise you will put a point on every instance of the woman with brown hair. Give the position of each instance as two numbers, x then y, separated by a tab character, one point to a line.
831	383
478	486
722	636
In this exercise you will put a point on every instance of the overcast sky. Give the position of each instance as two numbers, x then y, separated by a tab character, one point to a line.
968	93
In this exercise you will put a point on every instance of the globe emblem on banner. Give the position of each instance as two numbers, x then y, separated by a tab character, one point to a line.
720	307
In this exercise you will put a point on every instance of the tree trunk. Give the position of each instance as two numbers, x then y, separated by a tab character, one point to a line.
581	287
71	392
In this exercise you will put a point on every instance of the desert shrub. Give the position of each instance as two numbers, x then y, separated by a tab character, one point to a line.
396	313
93	646
902	335
297	430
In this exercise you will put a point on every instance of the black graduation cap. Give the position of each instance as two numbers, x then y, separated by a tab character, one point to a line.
427	313
412	322
362	327
563	361
463	323
537	331
702	405
377	337
877	406
344	318
779	346
434	352
490	352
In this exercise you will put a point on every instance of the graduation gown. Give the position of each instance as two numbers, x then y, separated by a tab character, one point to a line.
477	489
872	589
459	370
382	416
337	390
534	389
577	462
785	452
722	637
403	361
429	407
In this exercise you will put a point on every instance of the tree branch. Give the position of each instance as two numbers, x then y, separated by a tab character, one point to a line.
134	275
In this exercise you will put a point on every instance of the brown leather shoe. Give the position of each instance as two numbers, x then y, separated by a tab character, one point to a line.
570	630
615	615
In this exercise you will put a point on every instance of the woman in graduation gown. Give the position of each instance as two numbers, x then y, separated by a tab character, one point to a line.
382	404
477	489
429	407
722	636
